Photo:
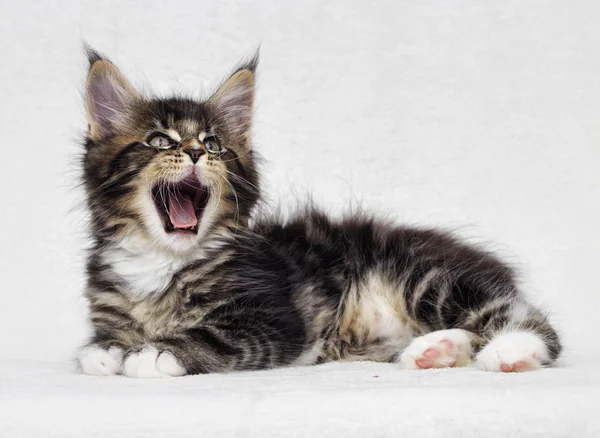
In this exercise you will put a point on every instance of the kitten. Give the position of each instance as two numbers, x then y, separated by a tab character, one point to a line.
180	283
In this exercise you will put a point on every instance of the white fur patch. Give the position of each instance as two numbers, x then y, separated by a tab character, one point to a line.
519	312
147	271
174	134
453	348
378	309
142	364
168	365
513	351
148	364
96	361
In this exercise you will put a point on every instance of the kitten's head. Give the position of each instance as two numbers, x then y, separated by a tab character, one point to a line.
172	172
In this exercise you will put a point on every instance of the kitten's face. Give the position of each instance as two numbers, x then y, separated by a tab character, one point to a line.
171	172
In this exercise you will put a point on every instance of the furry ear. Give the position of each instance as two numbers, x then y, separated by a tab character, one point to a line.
234	99
108	96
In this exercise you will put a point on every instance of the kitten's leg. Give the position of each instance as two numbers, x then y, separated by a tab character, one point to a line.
520	339
508	334
439	349
114	332
509	337
228	340
249	344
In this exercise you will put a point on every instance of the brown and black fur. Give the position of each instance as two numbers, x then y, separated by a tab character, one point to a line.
265	292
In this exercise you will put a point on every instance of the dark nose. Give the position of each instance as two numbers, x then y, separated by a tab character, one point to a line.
194	153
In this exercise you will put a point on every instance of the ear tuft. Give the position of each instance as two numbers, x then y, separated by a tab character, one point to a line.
251	63
92	55
109	96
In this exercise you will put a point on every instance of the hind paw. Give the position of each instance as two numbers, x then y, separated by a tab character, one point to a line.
440	349
513	352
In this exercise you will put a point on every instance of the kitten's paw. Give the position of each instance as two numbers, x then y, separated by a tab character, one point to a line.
513	352
97	361
440	349
148	364
169	365
142	364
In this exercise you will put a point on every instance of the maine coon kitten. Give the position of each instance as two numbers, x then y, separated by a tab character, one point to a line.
180	283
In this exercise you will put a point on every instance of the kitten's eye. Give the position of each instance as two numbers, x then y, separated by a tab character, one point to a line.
160	142
212	146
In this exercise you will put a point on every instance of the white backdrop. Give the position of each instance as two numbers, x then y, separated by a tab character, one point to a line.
481	116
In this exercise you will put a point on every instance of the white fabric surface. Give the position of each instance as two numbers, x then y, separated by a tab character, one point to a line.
39	399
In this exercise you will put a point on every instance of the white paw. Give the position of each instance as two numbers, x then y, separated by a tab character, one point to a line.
440	349
169	365
97	361
513	352
148	364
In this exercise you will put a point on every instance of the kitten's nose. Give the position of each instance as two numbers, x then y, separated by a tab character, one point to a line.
194	152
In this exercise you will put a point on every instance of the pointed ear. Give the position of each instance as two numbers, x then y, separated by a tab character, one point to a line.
234	99
109	96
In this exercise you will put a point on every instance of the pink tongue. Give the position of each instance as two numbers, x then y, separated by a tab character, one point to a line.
181	211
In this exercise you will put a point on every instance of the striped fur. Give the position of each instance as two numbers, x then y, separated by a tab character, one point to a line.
247	295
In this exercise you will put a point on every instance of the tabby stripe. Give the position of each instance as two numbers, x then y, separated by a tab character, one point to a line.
116	162
486	318
414	277
205	336
422	287
118	186
236	161
111	311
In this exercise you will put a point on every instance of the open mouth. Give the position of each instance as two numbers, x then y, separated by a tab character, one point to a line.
180	204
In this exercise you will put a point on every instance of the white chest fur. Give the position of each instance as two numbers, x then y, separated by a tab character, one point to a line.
147	271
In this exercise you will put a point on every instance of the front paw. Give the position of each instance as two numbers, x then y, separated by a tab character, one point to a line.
97	361
148	364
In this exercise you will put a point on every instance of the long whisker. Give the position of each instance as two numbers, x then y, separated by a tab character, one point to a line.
242	179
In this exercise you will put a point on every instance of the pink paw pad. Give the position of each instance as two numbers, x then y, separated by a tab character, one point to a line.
437	357
515	367
431	353
439	349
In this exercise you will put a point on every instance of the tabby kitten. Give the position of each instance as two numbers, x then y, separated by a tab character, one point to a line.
179	281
